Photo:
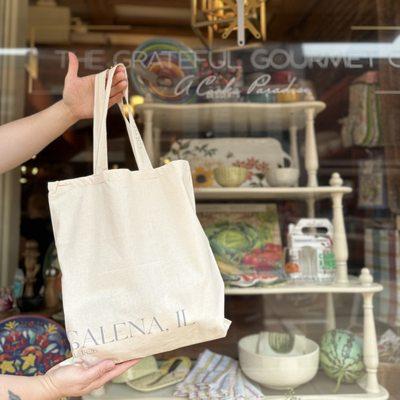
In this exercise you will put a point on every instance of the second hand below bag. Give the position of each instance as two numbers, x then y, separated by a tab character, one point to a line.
139	277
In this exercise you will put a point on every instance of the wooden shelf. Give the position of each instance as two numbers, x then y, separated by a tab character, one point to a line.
269	193
229	118
320	388
232	119
354	286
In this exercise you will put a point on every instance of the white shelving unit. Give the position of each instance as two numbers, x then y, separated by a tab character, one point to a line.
270	193
235	118
248	117
317	389
355	285
229	117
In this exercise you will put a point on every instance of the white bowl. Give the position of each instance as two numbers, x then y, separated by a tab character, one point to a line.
280	371
283	177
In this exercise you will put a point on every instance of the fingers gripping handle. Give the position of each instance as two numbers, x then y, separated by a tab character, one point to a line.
102	90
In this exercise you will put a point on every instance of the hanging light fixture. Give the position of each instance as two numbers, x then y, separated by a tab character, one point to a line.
219	18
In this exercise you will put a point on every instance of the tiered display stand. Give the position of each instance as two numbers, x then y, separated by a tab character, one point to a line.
247	117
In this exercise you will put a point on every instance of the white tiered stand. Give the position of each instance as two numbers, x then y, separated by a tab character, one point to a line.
247	117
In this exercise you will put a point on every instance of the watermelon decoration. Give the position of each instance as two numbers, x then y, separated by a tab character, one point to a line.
282	343
341	356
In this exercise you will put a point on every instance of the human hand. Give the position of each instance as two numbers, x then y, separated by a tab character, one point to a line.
78	94
79	379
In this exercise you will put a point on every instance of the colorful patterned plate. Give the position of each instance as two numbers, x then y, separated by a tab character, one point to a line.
31	345
159	65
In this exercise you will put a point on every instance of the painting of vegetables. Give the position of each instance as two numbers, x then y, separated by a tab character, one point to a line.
245	238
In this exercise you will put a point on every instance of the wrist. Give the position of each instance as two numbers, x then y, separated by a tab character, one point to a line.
49	390
67	112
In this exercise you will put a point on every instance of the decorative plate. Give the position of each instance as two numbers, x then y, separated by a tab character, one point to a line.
252	279
159	65
31	345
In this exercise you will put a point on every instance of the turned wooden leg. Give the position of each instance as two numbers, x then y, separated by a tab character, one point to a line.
330	312
311	207
371	358
265	307
311	152
148	134
339	232
157	146
294	149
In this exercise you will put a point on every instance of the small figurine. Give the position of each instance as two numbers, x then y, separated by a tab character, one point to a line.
51	291
6	299
30	301
32	267
52	278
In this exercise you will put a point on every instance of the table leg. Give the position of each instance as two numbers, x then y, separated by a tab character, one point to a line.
371	358
330	312
148	134
339	232
311	152
294	149
157	146
265	307
311	207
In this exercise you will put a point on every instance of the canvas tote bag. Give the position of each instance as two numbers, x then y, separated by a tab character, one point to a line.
138	274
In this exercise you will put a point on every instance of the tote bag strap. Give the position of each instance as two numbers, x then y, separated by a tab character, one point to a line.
102	90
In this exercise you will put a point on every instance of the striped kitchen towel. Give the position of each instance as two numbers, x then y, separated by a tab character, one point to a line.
217	377
382	256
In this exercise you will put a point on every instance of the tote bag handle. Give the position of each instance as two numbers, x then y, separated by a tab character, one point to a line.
102	90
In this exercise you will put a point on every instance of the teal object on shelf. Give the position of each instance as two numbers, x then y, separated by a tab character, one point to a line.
261	98
341	356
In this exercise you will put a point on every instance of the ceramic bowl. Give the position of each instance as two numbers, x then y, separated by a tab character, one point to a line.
289	96
279	371
230	176
283	177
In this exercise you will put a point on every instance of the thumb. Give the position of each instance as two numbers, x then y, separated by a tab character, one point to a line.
97	371
73	65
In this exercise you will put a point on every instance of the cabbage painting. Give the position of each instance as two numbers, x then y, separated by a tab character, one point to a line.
245	238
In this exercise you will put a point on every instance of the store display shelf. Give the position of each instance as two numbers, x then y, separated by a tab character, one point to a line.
230	117
353	286
320	388
270	193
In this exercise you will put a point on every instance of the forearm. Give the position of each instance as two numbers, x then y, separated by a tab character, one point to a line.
22	139
25	388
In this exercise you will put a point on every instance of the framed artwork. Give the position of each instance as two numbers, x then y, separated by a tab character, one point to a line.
245	239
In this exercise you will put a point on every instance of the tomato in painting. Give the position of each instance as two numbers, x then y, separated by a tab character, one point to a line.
265	258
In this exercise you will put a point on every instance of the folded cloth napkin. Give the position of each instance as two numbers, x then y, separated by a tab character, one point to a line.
217	377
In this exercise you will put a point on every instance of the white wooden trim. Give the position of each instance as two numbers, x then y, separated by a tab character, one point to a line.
270	193
13	20
229	117
9	225
291	287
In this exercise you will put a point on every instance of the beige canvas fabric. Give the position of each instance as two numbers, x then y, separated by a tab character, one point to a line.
139	277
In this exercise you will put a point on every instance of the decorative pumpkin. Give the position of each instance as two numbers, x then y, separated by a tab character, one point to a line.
341	356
